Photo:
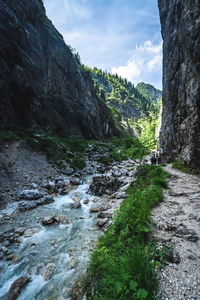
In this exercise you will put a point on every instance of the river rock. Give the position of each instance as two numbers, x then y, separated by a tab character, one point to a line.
102	222
86	201
67	190
16	288
10	256
48	271
101	184
30	232
120	195
76	204
63	219
96	209
34	185
4	249
28	205
75	181
48	220
173	256
103	215
31	195
95	200
69	171
60	184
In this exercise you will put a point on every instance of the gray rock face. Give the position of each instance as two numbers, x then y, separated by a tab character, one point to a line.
180	22
40	82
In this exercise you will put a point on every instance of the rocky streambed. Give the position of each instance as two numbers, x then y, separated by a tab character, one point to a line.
48	231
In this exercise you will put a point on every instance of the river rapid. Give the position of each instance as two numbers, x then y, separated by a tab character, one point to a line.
54	257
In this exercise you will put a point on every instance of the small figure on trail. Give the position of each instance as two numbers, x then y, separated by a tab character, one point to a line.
153	159
159	159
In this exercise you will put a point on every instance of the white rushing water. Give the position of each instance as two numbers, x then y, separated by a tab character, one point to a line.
62	250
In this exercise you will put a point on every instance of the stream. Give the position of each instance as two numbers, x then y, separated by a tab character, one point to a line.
62	250
54	257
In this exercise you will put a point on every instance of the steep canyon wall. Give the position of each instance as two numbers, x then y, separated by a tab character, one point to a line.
180	134
40	82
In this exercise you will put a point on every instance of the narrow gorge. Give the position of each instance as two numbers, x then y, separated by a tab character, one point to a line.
96	201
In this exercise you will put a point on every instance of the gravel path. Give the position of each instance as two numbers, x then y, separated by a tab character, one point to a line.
177	225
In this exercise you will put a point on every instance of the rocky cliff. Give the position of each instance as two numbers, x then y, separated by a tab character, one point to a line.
180	22
40	82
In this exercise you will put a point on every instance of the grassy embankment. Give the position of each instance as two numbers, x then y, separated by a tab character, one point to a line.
124	264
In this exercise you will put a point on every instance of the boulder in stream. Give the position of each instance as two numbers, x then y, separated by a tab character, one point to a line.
48	271
76	204
48	220
96	209
16	288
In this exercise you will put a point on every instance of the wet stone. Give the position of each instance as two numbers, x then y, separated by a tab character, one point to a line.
16	288
102	222
76	204
48	271
103	215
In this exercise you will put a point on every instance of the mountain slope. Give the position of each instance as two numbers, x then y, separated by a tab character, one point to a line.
40	82
149	91
131	106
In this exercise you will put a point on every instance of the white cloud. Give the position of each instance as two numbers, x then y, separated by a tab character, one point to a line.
145	64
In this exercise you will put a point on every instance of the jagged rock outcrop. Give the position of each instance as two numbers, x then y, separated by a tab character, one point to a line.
180	22
40	82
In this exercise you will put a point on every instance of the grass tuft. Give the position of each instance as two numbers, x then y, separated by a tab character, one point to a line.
180	165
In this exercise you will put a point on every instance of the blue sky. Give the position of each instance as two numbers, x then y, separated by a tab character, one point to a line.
121	36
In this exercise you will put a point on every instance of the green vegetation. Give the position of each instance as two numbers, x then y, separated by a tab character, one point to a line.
72	150
180	165
124	264
6	135
148	91
134	109
59	149
146	127
124	148
119	93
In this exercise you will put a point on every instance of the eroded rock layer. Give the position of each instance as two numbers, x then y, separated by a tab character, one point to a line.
40	83
180	22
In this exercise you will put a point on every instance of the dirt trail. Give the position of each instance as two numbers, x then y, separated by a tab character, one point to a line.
177	225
